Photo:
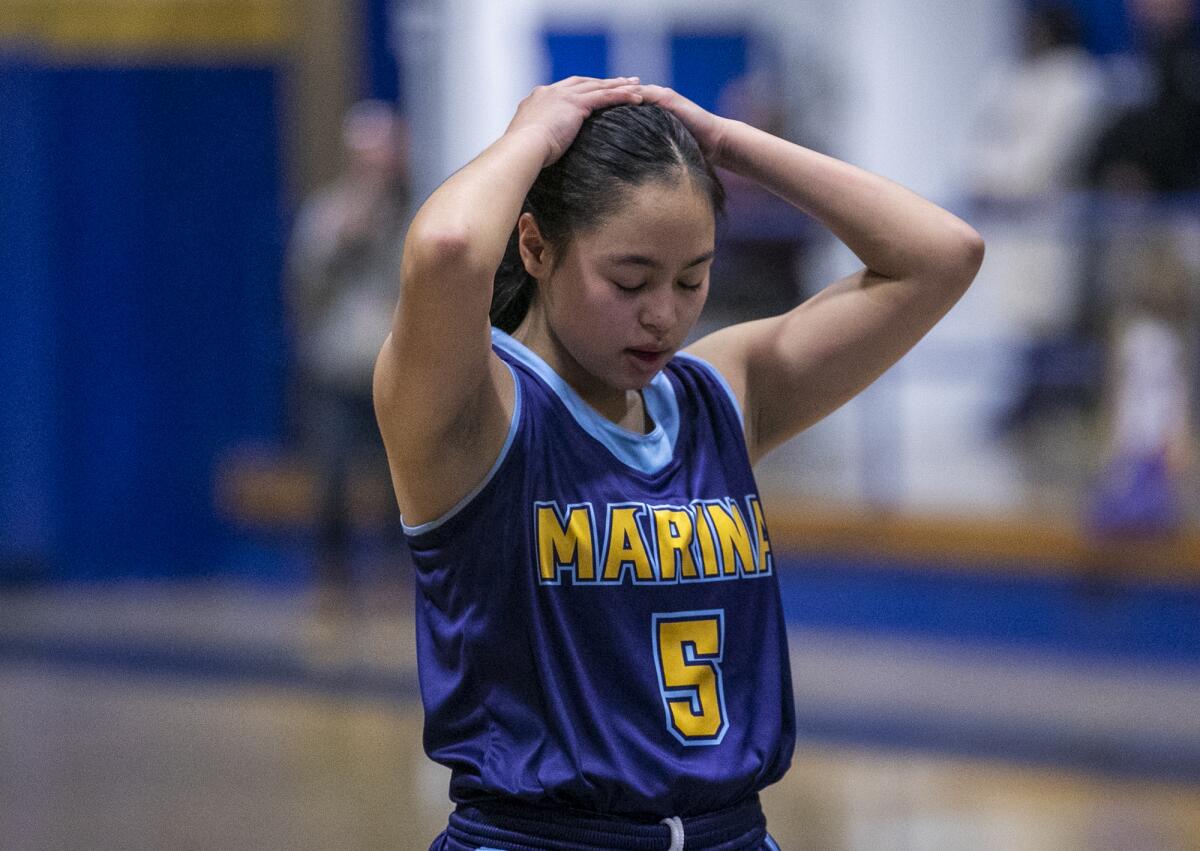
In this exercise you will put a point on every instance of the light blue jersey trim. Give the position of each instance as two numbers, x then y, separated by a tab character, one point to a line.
462	503
737	406
648	453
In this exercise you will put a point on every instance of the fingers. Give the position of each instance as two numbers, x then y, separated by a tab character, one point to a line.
585	84
613	97
595	93
653	93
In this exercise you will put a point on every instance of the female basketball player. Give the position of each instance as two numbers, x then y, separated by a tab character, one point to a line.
602	653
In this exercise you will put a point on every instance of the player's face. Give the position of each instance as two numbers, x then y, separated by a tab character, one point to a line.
626	293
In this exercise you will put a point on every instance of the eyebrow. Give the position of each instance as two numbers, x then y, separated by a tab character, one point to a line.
641	260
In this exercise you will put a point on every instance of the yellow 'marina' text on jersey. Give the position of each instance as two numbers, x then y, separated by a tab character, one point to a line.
638	543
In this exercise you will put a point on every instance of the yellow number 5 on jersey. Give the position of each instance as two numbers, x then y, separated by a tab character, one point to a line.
687	653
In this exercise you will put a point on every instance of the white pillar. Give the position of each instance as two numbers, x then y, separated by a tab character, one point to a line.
913	74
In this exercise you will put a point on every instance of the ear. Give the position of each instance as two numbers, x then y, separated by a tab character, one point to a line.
535	251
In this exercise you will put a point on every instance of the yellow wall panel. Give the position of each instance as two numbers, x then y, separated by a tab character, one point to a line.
120	29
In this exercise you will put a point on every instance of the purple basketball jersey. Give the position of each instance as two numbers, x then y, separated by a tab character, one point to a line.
598	623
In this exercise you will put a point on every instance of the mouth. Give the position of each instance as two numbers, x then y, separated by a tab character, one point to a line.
650	357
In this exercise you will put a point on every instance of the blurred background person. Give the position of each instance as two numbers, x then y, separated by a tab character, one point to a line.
1154	143
1036	123
1137	299
1149	146
1149	446
343	270
1039	114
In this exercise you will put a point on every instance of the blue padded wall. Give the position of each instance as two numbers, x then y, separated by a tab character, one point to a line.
573	52
142	329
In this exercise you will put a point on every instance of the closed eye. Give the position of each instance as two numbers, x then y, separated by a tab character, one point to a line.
629	288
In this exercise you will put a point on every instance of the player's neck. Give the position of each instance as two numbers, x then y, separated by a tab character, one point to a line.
624	408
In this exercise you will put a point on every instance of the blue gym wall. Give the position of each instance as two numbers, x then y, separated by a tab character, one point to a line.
143	334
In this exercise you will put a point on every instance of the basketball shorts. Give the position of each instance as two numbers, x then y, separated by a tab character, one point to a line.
510	826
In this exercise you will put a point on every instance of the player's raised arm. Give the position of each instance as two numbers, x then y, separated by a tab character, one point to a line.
442	399
792	370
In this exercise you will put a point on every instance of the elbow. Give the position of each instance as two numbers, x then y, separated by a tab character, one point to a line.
446	253
973	248
963	256
437	247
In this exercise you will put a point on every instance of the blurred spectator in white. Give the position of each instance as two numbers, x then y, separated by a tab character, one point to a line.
1039	116
343	275
1150	381
1154	144
1036	123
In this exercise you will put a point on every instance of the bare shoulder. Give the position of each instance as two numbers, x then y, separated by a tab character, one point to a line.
730	351
435	464
729	348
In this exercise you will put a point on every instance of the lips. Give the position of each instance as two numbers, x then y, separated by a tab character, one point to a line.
648	356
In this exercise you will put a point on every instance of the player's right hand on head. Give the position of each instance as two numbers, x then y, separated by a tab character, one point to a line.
556	112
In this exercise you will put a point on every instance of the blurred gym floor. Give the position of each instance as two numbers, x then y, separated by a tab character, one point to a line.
230	716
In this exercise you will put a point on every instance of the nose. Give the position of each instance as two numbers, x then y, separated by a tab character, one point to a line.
657	312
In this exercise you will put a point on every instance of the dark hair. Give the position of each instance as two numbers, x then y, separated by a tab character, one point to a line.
618	147
1053	25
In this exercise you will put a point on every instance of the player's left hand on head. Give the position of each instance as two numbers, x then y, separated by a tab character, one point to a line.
709	129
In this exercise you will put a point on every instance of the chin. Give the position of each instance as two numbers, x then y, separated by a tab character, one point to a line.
634	382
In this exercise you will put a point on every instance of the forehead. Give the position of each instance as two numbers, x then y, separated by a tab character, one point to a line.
666	221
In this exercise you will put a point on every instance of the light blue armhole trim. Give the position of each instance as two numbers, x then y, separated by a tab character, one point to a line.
648	453
737	406
508	441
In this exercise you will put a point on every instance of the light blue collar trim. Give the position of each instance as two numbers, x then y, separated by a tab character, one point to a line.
430	525
648	453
